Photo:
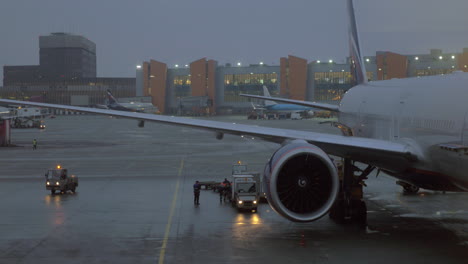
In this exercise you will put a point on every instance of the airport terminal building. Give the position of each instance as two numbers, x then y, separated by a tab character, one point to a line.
67	75
204	87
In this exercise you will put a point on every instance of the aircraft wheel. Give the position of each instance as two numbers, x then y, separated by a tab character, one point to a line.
360	213
52	192
410	189
337	212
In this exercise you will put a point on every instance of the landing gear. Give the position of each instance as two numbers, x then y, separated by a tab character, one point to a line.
408	188
349	206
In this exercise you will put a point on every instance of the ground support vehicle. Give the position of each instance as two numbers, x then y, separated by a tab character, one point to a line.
57	179
23	122
245	190
240	168
296	116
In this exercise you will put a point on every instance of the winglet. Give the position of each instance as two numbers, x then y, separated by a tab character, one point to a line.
358	69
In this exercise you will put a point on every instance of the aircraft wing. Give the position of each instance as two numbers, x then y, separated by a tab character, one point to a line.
329	107
380	153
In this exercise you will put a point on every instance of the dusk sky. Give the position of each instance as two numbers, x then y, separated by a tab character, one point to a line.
181	31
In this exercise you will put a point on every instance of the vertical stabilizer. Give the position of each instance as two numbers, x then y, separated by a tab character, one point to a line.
266	93
358	69
110	98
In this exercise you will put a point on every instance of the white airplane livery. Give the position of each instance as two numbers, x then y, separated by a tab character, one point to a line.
415	130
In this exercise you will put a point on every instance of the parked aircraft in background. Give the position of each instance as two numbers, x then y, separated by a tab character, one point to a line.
273	107
415	130
140	107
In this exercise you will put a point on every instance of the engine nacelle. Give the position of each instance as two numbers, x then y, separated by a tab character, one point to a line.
301	182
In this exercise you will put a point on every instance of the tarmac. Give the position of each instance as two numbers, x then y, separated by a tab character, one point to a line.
134	203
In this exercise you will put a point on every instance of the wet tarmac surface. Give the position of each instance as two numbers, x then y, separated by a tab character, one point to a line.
134	203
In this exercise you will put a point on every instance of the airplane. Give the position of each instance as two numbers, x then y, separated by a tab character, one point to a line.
272	106
113	104
414	129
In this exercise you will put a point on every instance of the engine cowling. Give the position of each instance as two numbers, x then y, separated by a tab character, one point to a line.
301	182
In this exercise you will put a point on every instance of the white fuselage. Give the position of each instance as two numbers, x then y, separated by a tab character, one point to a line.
422	112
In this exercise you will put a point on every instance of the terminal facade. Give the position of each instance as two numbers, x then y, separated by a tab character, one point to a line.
67	75
204	87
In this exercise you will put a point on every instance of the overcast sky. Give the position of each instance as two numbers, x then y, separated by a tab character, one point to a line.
180	31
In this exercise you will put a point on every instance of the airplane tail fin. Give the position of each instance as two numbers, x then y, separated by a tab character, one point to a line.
111	98
358	69
266	93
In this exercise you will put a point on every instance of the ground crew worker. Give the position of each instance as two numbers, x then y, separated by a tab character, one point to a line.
227	192
34	144
196	193
221	192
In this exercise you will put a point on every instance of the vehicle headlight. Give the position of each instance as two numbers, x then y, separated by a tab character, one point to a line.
57	183
255	201
48	183
240	202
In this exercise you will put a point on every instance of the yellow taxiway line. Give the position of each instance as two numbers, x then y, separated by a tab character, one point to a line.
171	214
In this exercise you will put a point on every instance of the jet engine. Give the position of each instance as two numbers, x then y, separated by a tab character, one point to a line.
301	181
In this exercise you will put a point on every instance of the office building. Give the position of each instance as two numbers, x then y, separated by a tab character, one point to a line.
67	56
62	56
